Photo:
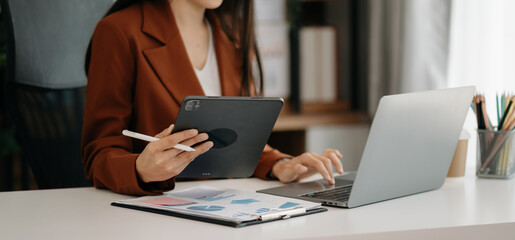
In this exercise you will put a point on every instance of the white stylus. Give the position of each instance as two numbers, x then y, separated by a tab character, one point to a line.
152	139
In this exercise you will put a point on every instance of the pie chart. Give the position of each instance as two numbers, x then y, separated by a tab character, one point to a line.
206	208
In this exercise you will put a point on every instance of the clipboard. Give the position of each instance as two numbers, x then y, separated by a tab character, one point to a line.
223	206
282	215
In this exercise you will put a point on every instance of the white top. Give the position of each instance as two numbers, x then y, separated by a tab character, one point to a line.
208	76
464	208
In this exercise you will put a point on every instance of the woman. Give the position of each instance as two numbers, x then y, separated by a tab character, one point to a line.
143	59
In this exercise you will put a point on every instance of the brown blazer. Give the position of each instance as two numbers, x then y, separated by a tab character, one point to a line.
139	73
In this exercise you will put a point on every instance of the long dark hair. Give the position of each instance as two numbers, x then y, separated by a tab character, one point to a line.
237	21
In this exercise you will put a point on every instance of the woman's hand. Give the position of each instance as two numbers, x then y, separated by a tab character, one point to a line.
308	164
159	161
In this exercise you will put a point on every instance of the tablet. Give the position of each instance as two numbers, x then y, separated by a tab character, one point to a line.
239	128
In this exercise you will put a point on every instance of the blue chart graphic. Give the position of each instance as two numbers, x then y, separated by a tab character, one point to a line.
215	198
244	201
206	208
262	210
289	205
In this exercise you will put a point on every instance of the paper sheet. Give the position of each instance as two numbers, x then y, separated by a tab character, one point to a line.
219	203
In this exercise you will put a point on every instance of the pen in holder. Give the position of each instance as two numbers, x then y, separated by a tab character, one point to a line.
495	154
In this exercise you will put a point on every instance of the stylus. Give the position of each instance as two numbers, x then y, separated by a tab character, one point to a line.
152	139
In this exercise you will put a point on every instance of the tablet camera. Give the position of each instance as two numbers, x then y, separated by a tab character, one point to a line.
192	105
222	137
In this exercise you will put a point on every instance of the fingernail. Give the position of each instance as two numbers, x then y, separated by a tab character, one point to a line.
193	131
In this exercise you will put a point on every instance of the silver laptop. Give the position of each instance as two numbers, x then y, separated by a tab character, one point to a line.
409	150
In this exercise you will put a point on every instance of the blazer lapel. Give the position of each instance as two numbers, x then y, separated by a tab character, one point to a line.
170	61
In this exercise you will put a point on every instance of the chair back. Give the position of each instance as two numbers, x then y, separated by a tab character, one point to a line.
45	84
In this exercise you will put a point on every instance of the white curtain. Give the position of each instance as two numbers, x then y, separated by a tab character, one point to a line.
482	53
409	46
428	44
482	49
385	49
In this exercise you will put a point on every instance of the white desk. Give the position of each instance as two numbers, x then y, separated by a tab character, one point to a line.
464	208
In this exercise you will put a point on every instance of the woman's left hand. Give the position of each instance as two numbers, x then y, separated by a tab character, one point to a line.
307	164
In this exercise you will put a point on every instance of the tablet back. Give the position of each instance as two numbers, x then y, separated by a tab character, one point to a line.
239	128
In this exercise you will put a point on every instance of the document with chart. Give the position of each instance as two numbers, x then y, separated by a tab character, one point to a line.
223	206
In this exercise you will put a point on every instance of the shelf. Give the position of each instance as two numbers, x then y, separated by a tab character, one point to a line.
300	122
318	114
349	18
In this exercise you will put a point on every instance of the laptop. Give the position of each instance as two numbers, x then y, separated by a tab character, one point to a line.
409	150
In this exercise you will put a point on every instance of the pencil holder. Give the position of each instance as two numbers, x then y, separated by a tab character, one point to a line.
495	154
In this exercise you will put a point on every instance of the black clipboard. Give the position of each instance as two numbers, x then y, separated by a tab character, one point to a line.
217	221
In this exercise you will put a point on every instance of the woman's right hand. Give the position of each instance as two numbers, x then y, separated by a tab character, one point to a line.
159	161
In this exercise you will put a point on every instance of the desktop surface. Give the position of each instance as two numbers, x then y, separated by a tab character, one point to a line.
466	205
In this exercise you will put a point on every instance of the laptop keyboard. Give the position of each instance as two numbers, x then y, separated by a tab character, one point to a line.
336	194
